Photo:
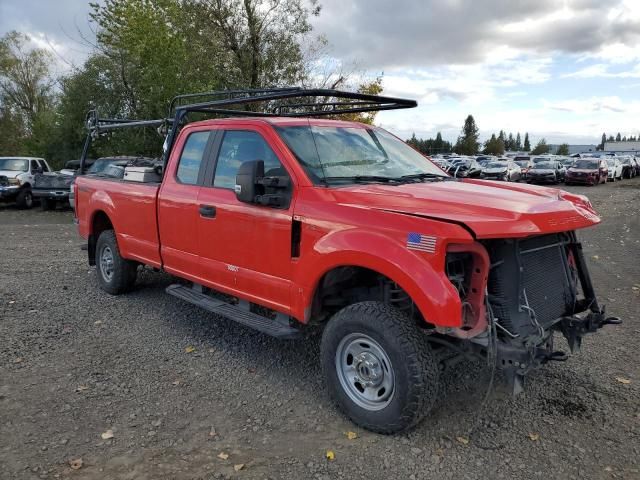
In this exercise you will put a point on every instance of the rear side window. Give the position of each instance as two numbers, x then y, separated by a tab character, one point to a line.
240	146
191	159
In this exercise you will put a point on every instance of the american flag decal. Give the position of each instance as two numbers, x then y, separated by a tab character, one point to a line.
424	243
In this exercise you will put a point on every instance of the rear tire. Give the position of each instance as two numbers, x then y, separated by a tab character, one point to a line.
115	274
25	199
379	367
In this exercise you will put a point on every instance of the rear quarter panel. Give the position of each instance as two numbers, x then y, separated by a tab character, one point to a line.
131	208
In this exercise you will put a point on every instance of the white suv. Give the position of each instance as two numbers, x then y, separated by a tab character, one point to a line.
16	178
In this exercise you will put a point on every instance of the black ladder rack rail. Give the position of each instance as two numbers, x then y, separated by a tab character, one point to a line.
281	102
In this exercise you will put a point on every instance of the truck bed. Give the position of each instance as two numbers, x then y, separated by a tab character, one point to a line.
135	223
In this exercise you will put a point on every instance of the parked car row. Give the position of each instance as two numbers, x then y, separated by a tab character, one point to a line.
543	169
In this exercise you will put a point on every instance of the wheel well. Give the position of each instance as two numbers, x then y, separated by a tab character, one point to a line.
99	224
346	285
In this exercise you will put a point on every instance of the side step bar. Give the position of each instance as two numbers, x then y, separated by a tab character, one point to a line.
274	327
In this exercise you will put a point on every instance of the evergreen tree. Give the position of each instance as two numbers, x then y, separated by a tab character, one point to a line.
518	142
527	144
618	138
467	143
510	144
494	146
604	140
563	149
611	139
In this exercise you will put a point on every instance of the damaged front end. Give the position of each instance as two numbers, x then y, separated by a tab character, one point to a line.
534	287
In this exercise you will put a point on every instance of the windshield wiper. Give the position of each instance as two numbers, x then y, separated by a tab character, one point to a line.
363	179
422	176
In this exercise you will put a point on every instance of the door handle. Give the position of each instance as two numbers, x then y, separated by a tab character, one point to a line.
208	211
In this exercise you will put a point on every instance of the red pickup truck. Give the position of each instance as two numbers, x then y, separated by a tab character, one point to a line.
280	222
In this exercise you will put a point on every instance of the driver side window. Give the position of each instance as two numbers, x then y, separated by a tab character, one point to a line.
240	146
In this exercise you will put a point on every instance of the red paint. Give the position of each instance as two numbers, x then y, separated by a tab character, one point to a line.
246	249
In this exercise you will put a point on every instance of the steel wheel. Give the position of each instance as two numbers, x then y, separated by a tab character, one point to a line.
106	264
365	371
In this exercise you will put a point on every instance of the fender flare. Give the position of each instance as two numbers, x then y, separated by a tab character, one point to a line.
421	275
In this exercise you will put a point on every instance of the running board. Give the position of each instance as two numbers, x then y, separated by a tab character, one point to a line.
274	327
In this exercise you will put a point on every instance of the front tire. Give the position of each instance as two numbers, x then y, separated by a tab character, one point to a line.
379	367
115	274
25	199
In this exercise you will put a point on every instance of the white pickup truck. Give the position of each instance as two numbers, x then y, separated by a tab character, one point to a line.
17	177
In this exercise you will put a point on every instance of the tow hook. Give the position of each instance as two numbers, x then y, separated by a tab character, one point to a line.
557	356
612	321
574	328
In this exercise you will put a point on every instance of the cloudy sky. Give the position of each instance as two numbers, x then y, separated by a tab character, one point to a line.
565	70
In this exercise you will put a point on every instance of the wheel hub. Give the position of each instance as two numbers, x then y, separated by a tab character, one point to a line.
368	369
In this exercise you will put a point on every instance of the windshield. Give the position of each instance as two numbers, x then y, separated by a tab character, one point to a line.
585	164
14	164
330	153
540	159
611	162
522	163
496	165
544	165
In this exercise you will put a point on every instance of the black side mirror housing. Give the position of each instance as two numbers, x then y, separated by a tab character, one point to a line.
253	187
247	187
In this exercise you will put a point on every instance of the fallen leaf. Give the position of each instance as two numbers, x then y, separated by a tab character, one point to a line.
98	322
18	360
223	455
352	435
11	302
330	455
635	287
76	463
626	381
82	388
463	440
212	432
190	349
175	382
107	435
238	467
595	257
534	437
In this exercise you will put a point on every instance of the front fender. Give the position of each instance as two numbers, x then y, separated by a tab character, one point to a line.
421	275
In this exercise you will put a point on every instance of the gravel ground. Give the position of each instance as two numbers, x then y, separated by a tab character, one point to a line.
76	363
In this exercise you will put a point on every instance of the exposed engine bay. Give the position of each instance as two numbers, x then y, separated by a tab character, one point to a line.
535	286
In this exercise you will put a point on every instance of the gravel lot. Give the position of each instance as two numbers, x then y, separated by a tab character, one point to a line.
76	363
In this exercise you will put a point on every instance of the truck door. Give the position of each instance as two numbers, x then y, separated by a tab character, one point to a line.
178	208
245	248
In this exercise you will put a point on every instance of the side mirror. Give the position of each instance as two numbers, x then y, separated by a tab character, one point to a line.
247	187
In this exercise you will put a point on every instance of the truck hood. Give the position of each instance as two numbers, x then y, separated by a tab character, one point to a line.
488	209
10	173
